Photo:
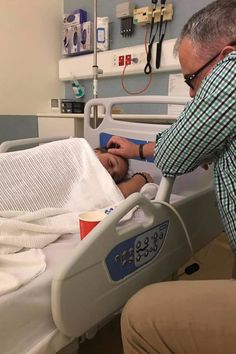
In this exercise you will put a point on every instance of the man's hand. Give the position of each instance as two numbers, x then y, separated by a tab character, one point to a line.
122	147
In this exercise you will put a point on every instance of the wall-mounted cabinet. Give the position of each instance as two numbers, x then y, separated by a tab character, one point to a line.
57	124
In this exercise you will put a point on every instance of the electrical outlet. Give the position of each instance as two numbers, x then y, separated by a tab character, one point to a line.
121	60
138	57
128	60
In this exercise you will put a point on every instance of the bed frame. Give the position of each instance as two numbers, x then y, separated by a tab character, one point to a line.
114	262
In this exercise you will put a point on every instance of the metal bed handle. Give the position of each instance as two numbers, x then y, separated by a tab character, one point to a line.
165	189
108	103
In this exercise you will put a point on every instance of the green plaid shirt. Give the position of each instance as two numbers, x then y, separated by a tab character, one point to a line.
206	132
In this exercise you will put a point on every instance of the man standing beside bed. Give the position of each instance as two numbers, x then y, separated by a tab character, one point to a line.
194	317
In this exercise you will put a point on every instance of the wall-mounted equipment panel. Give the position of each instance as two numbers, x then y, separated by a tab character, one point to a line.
112	62
143	15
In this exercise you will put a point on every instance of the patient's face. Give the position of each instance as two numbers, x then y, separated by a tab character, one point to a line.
115	165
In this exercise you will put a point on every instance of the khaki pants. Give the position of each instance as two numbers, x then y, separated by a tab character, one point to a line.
181	317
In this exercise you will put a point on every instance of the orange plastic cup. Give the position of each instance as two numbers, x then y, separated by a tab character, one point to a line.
88	220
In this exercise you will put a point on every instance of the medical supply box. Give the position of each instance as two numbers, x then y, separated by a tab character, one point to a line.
72	106
103	33
86	39
72	31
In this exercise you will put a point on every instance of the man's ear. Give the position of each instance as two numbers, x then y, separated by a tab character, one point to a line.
226	50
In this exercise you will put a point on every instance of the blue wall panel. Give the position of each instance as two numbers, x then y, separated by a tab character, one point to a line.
18	127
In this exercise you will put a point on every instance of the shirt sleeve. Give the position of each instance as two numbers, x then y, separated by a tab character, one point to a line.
203	129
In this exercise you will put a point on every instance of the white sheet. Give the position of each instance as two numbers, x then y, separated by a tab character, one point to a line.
43	189
26	324
55	175
42	192
18	269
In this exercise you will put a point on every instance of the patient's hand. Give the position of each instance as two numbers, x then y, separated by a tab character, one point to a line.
148	177
135	183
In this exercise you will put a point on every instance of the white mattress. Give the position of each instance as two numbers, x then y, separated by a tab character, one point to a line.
26	324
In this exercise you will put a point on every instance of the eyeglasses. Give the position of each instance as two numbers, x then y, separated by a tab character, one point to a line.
190	77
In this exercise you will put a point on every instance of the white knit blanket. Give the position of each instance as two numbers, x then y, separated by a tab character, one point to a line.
42	192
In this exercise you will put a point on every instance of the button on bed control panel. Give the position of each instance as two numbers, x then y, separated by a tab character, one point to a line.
130	255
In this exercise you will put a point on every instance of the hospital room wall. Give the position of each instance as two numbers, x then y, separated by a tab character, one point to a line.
110	87
30	39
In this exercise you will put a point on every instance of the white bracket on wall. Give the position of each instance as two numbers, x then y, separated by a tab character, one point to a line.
112	62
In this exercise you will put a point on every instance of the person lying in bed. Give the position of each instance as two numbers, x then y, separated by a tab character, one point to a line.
117	167
64	174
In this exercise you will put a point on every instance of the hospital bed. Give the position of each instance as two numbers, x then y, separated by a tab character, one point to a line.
87	283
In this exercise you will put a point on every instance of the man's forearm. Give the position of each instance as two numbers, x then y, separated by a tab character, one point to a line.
148	149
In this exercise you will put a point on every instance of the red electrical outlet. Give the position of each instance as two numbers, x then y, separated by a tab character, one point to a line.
121	60
128	59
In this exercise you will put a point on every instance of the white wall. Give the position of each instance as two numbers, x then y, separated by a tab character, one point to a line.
30	37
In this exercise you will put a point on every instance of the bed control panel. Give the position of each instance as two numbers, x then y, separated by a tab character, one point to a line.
130	255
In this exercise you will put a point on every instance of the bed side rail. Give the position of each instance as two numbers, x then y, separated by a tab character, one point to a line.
84	291
110	102
7	145
117	127
134	129
96	282
165	189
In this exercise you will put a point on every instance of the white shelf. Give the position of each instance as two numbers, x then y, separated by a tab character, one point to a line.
80	67
60	115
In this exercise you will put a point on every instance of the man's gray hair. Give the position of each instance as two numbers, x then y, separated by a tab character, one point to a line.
211	28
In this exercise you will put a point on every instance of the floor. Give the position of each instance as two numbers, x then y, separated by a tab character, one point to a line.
216	263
